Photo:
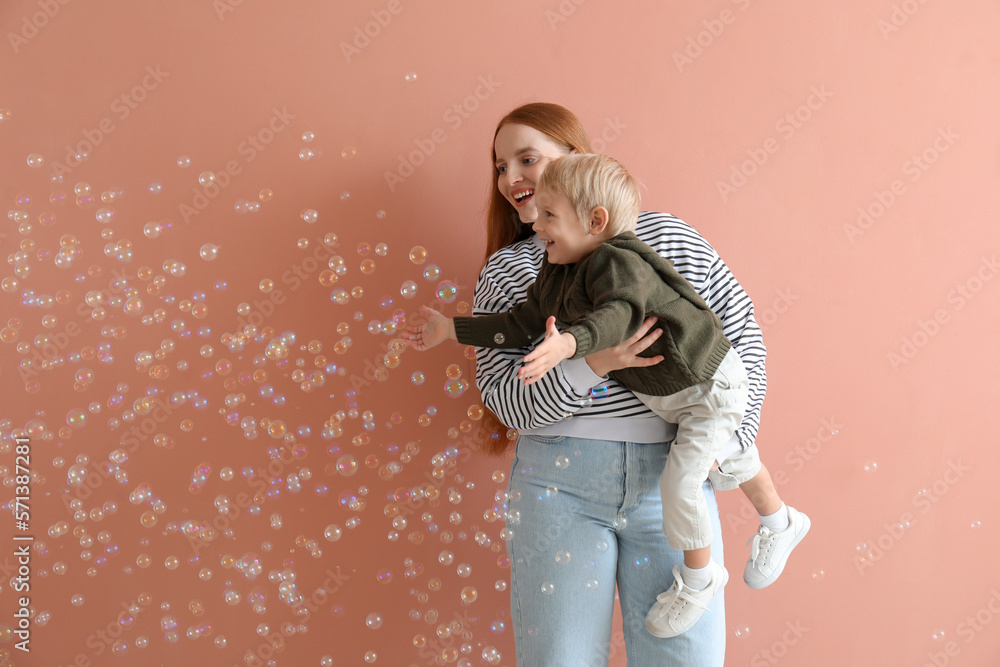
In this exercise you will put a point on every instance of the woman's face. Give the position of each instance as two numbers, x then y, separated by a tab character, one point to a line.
522	153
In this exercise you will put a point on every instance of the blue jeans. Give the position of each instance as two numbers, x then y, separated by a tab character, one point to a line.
585	515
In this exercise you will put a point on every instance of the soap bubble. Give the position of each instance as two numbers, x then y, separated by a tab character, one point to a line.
347	465
209	252
418	254
447	291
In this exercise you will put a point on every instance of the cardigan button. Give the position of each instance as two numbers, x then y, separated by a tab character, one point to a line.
499	339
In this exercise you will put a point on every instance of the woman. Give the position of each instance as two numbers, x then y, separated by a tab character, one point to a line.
584	511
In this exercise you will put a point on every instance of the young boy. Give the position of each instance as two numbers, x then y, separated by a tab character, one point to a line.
601	282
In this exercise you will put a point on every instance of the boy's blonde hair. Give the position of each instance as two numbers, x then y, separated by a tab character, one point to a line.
589	180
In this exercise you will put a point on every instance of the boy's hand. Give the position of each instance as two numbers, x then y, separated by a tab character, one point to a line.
553	349
434	331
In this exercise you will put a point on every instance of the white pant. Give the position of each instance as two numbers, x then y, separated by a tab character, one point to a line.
706	415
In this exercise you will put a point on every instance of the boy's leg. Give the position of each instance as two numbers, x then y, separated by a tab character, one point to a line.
706	415
760	491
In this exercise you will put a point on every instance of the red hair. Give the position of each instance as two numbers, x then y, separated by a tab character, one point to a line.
504	227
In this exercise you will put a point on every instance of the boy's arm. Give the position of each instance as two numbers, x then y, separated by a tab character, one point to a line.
518	327
431	333
618	283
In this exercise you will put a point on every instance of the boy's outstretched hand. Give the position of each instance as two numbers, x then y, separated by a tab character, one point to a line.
554	348
434	331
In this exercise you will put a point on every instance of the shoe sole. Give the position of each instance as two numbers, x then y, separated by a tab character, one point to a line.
659	633
807	524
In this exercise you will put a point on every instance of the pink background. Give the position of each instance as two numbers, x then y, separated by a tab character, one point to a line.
842	157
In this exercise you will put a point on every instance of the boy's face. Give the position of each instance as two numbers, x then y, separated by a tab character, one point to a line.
567	238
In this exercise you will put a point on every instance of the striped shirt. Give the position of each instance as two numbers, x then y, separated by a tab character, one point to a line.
570	399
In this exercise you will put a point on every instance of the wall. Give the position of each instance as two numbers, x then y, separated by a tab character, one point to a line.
206	493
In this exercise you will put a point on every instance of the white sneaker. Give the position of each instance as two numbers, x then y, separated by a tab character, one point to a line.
770	550
679	608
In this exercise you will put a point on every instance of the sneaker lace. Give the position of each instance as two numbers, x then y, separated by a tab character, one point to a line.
762	543
683	597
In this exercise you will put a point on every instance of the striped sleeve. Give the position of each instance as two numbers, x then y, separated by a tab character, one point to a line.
503	282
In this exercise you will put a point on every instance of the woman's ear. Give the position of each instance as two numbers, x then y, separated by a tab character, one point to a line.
598	220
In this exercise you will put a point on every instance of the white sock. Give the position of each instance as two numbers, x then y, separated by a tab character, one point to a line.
776	522
697	579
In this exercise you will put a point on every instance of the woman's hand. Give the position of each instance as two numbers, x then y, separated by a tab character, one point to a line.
626	354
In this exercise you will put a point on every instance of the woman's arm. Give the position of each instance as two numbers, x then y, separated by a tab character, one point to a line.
696	260
560	393
734	307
